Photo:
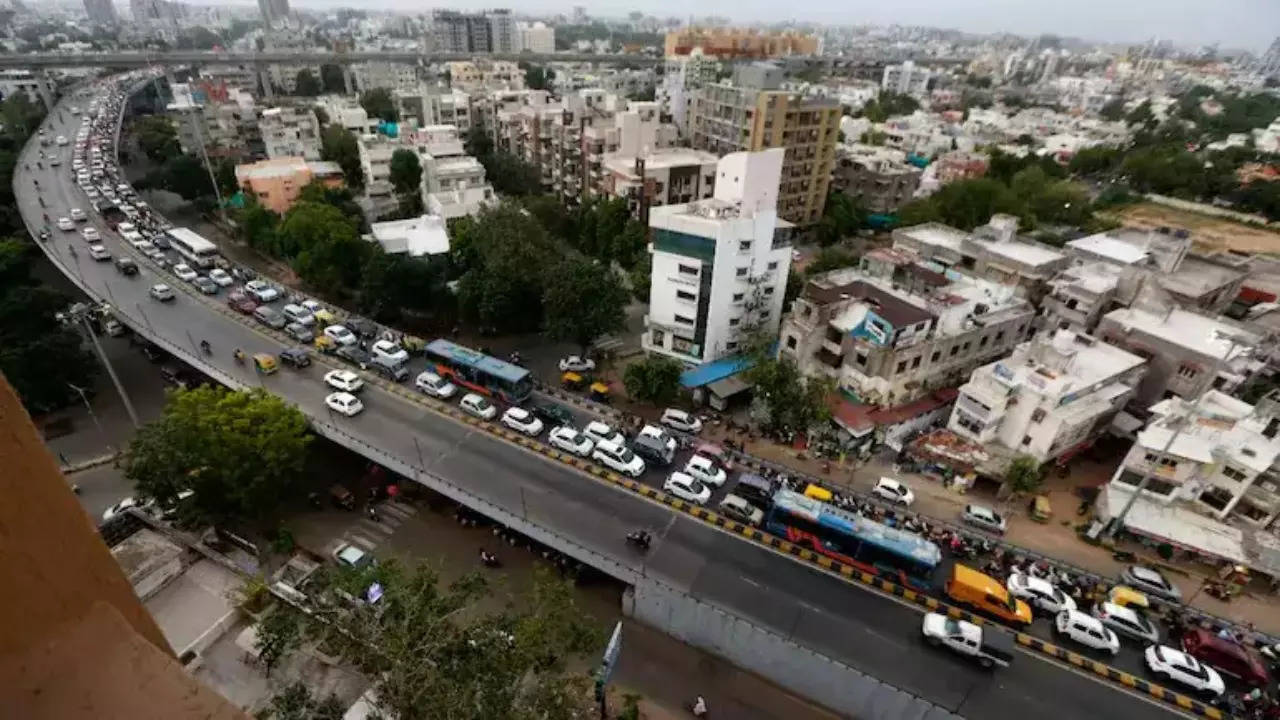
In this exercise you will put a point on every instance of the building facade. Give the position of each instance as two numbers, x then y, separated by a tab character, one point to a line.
536	38
669	176
878	178
993	251
740	43
101	12
391	76
720	265
276	183
751	114
290	131
907	79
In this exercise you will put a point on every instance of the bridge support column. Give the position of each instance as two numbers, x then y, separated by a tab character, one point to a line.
264	76
348	79
47	88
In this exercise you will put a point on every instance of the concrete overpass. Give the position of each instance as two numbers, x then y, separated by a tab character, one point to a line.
128	60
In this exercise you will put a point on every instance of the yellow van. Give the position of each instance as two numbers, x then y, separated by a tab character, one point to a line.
818	493
982	592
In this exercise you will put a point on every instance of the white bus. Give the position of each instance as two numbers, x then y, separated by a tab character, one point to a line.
197	251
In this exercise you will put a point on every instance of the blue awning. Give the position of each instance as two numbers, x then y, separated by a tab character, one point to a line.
713	371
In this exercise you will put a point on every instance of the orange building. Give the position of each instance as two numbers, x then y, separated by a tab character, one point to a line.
278	181
741	43
76	643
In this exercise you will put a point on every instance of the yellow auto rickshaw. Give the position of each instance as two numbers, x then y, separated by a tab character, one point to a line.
572	381
1126	596
265	363
325	344
600	392
818	493
1040	509
412	344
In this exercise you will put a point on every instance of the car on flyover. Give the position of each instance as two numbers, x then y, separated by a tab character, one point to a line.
162	292
344	403
240	301
570	440
988	646
523	421
1179	667
295	357
344	380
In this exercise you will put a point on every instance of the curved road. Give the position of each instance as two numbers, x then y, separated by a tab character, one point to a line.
867	631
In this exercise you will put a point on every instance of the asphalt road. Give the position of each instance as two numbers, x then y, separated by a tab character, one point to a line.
847	622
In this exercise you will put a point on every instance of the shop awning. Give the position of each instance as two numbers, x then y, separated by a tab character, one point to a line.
1179	526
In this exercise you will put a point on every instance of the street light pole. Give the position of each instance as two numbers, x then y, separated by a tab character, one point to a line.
92	415
81	318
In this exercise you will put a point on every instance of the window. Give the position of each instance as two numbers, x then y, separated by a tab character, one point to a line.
768	290
861	359
1233	473
688	270
966	347
744	245
773	265
1155	486
1216	498
1000	336
954	349
742	272
983	342
901	366
733	322
685	295
791	343
683	319
1169	463
737	297
656	337
731	346
1038	415
1026	439
934	357
915	361
1187	371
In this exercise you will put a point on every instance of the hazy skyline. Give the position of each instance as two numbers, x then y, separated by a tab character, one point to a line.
1248	24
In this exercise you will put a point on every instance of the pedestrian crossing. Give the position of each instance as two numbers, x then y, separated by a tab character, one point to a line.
367	534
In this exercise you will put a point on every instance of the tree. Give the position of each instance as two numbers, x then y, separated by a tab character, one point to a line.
40	357
308	85
1113	110
640	278
505	259
841	217
654	379
889	104
784	400
379	103
279	634
965	204
431	652
537	77
511	175
1097	160
181	174
258	227
392	284
157	138
647	94
584	301
478	143
337	144
240	453
333	79
406	172
295	702
324	244
1023	474
1141	116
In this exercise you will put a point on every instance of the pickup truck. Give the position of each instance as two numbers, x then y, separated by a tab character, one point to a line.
988	646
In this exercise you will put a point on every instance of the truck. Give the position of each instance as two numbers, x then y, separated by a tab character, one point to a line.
987	646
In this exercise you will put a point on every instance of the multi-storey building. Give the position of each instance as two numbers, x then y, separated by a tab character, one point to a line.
896	327
537	38
1053	396
478	75
284	76
1216	456
751	113
432	106
20	82
740	43
346	112
720	265
907	79
101	12
994	252
290	131
878	178
276	183
273	12
389	75
503	36
683	75
453	183
667	176
455	32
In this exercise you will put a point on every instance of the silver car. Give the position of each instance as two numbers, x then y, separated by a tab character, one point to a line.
269	316
1150	581
299	332
983	517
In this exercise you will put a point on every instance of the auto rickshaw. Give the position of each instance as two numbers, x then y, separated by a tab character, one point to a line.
266	363
1040	509
325	344
572	381
817	493
1126	596
413	344
600	392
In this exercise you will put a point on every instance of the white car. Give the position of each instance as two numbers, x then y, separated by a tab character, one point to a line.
894	491
1086	630
522	420
570	440
262	291
118	508
220	276
681	420
184	272
343	380
162	292
65	224
687	487
1181	668
599	432
390	352
345	403
577	363
618	457
78	215
339	334
705	470
348	555
477	405
983	517
1039	594
90	234
98	252
434	385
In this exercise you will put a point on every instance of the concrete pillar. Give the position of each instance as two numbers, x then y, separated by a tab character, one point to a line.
348	79
264	76
46	86
169	78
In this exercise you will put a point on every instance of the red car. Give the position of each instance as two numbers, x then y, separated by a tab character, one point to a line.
1226	656
240	301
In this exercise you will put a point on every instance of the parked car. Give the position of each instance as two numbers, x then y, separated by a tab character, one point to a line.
344	403
162	292
349	555
1127	621
1086	630
240	301
737	507
570	440
1039	593
1181	668
577	363
895	491
522	420
687	487
1150	581
479	406
354	355
295	357
434	385
681	420
983	517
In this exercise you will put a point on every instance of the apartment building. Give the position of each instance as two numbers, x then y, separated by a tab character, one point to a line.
740	43
536	38
20	82
101	12
389	75
284	76
456	32
1080	295
1216	456
751	113
346	112
993	251
453	183
667	176
896	327
290	131
720	265
276	183
907	79
1049	399
879	179
1189	353
481	74
682	75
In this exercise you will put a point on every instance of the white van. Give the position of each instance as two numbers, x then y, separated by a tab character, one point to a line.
618	458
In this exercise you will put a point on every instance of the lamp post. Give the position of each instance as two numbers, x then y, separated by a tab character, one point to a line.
92	415
78	315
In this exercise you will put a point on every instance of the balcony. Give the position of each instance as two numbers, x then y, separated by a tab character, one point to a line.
833	348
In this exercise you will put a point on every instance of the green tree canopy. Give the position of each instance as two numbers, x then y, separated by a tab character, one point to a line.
157	138
505	258
841	218
325	245
537	77
584	301
333	79
1142	116
241	453
654	379
1113	110
380	103
785	401
40	357
181	174
406	171
889	104
831	258
1023	474
295	702
392	284
337	144
965	204
308	85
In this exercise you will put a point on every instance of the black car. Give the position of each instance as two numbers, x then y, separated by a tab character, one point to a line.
362	327
354	355
126	266
553	414
295	357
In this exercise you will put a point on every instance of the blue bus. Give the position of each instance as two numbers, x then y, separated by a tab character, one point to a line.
876	548
479	372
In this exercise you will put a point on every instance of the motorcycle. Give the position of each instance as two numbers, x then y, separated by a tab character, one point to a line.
489	560
639	538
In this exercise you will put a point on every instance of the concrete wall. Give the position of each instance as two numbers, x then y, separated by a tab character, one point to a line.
758	650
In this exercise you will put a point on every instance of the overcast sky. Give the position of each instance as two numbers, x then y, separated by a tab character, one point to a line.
1248	24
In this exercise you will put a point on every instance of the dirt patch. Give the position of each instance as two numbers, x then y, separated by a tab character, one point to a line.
1210	233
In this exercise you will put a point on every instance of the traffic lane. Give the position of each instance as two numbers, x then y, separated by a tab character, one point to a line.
879	637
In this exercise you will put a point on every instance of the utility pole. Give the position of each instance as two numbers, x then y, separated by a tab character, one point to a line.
79	315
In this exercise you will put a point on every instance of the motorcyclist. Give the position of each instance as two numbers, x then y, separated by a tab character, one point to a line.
639	537
204	346
488	558
238	355
700	707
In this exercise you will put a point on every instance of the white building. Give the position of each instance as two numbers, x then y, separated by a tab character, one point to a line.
503	35
19	82
389	75
290	131
426	106
720	265
347	112
537	38
1048	399
681	77
480	74
906	79
453	183
415	237
656	177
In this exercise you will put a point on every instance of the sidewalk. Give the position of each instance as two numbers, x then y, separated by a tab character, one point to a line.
1056	539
